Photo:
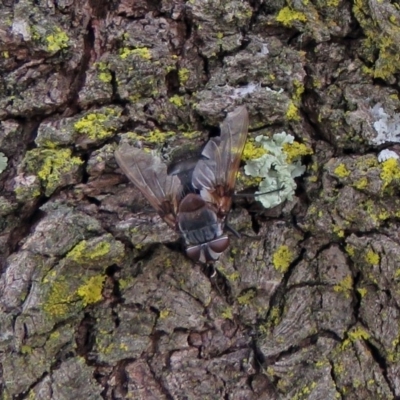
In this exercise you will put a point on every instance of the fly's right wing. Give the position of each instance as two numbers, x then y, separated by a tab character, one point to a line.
215	175
149	174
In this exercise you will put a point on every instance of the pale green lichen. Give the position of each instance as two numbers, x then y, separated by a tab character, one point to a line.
275	169
282	258
57	41
3	162
91	291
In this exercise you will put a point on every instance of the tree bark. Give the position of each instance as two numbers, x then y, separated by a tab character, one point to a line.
96	299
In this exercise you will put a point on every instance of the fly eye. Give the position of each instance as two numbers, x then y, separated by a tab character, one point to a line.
194	252
219	245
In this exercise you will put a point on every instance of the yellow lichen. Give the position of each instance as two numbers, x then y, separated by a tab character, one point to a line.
58	302
287	16
355	335
142	52
183	75
296	150
104	73
227	313
282	258
83	254
362	292
91	291
341	171
292	112
246	297
153	137
338	230
177	100
50	165
98	125
252	150
164	313
350	250
372	258
390	171
299	90
344	286
361	184
57	41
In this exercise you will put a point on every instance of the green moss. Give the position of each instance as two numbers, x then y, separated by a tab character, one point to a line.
282	258
57	41
292	112
183	74
287	16
177	100
390	171
341	171
372	258
142	52
98	125
91	291
50	165
295	150
84	254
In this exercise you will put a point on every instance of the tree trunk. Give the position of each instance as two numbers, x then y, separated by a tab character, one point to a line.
97	301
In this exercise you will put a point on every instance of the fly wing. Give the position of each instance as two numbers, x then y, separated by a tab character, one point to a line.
150	176
215	176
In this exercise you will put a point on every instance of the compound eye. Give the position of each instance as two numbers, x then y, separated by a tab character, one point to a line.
219	245
194	253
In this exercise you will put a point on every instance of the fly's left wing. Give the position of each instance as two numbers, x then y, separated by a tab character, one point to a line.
215	175
150	176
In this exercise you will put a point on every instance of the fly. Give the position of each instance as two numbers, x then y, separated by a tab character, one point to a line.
200	215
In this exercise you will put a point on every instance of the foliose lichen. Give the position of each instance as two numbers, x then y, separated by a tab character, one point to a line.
277	167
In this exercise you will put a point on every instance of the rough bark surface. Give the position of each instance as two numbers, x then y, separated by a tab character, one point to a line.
96	302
